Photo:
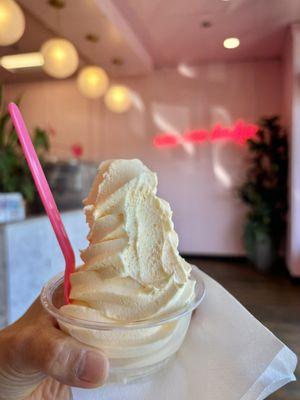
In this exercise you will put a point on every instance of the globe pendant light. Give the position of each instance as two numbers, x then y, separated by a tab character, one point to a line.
92	82
12	22
60	55
118	99
60	58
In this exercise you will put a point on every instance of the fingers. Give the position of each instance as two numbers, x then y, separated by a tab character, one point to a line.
67	360
51	389
38	346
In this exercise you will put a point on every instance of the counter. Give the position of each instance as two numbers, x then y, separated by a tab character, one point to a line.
29	256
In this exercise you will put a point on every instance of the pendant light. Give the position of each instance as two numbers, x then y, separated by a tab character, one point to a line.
92	81
118	99
12	22
60	58
60	55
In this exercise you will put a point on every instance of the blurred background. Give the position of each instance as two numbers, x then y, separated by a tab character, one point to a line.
206	93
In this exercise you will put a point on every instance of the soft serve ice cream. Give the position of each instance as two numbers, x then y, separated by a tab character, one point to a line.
132	270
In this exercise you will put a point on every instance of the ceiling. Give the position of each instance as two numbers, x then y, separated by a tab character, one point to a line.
147	34
172	32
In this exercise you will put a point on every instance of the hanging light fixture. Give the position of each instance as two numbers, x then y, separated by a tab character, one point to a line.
60	58
92	82
118	99
60	55
12	22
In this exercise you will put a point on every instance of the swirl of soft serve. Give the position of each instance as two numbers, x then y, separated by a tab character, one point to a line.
132	269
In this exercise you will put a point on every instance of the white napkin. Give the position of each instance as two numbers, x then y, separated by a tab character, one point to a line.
227	355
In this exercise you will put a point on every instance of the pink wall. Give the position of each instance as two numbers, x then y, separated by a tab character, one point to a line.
198	182
292	117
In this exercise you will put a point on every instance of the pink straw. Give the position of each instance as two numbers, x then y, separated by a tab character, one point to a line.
45	195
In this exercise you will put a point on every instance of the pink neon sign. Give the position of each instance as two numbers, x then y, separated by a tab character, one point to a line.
239	133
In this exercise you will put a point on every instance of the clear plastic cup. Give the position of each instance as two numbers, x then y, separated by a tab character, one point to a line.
135	349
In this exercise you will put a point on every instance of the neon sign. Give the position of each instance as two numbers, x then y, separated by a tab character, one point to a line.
239	133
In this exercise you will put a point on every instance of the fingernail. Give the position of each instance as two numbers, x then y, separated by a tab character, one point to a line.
92	368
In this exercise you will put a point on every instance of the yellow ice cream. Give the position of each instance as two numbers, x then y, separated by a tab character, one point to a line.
132	269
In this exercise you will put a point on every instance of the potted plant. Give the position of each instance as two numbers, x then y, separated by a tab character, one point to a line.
14	172
265	193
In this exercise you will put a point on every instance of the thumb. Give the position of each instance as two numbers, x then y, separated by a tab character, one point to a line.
65	359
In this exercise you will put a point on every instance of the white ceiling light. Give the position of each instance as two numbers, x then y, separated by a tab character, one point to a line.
92	82
60	58
12	22
118	99
26	60
231	43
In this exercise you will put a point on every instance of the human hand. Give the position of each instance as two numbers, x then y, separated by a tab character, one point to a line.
33	348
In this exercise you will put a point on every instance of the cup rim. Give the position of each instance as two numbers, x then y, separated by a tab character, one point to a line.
57	280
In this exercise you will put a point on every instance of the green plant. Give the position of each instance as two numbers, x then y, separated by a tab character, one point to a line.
14	172
265	188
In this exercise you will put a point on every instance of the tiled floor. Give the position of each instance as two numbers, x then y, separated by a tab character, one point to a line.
273	299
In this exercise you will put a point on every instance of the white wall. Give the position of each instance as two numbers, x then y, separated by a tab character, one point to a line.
292	117
199	185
